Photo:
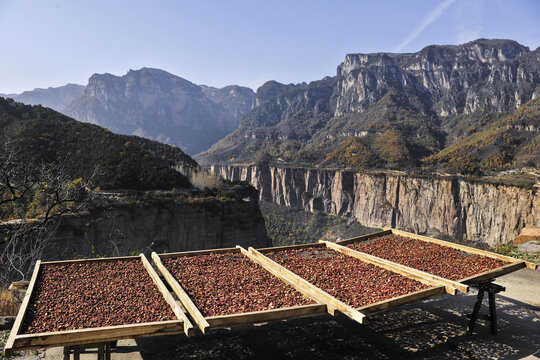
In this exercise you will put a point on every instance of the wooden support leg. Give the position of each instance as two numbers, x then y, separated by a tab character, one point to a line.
67	353
101	352
492	312
77	354
476	310
108	347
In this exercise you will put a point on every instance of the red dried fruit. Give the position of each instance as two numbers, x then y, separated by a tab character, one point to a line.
222	284
348	279
433	258
79	295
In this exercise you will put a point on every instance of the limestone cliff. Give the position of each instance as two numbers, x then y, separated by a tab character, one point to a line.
486	213
155	104
168	226
388	110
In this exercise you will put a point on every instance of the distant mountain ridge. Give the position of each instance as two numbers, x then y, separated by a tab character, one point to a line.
56	98
400	111
158	105
151	103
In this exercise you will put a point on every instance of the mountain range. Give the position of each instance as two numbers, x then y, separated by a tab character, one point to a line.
471	108
56	98
151	103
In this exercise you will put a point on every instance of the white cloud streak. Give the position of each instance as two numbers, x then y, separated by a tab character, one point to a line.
428	20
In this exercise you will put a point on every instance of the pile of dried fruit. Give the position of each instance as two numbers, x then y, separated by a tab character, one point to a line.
350	280
230	283
435	259
79	295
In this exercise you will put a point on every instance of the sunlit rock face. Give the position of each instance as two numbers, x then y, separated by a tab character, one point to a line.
373	92
492	75
485	213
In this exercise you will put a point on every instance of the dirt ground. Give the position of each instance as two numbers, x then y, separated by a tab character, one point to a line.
432	329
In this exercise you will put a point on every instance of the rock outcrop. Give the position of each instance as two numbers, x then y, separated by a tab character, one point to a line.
430	99
479	212
161	106
489	75
124	229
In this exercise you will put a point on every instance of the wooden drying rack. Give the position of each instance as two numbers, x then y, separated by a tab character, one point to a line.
18	341
324	302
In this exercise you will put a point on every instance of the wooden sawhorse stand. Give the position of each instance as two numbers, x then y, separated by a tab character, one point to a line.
104	350
491	289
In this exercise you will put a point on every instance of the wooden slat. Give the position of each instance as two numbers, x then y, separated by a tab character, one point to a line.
403	299
198	252
101	334
22	311
265	315
492	274
188	328
76	342
463	248
289	247
430	279
92	259
364	237
182	295
331	302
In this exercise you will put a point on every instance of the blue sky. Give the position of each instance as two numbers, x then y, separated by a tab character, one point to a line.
51	43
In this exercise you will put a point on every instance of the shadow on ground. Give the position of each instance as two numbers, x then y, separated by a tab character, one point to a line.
433	329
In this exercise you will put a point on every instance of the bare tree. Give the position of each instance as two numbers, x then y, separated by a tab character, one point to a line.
35	197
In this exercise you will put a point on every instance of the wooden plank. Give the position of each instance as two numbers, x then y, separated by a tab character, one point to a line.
492	274
289	247
198	252
22	311
364	237
92	259
299	283
182	295
265	315
77	342
463	248
100	334
422	276
188	328
403	299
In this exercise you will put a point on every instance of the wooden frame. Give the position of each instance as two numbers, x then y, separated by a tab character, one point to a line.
18	341
464	248
209	323
333	303
514	264
424	277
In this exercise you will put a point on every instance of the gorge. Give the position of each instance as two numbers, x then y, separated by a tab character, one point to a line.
463	210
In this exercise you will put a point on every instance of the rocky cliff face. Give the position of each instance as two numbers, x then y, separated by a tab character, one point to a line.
489	75
466	211
158	105
168	227
384	105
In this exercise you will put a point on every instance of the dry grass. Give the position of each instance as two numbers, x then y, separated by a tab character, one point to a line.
8	304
